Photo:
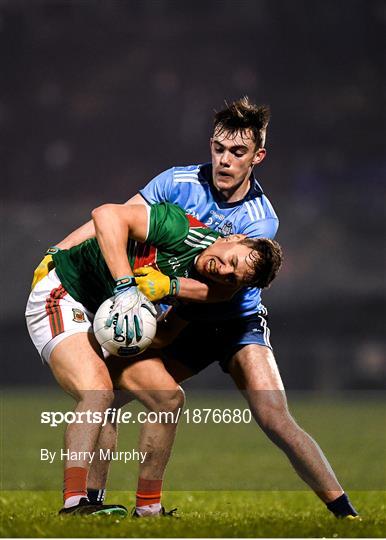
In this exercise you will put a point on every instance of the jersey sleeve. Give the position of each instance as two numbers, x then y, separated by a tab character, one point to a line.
158	189
168	226
264	228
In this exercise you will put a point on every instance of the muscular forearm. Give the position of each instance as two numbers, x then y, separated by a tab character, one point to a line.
78	236
197	291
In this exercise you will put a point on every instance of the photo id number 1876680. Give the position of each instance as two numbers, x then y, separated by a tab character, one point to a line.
217	416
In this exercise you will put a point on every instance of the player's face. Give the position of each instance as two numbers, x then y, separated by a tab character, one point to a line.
226	261
233	158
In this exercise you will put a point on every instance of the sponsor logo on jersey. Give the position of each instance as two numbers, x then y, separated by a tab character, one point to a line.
217	215
78	315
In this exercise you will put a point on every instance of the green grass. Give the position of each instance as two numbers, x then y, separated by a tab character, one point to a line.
213	476
202	514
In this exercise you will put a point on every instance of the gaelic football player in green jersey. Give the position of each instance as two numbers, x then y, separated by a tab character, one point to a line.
61	306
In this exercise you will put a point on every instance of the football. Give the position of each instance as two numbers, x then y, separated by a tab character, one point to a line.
119	345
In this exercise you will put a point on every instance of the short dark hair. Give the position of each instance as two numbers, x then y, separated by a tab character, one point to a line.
265	261
241	115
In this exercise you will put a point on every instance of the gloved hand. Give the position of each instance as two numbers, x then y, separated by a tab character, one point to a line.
45	266
154	284
126	311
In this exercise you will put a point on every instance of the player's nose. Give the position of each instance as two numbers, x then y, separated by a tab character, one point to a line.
225	158
224	269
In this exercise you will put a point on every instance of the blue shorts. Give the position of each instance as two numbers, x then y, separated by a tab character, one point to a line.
202	343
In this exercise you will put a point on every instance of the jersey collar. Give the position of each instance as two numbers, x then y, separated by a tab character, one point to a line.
205	174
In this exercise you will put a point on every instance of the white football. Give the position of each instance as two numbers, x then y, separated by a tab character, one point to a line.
119	345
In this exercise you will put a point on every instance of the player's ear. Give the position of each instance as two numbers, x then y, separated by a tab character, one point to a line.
259	156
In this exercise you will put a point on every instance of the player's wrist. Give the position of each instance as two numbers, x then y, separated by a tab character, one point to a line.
174	286
53	250
123	283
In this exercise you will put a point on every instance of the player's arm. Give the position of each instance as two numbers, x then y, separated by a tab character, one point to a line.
156	285
114	225
87	230
198	291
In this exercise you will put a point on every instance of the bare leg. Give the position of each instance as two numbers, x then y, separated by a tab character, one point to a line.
107	440
99	469
80	371
78	367
155	464
255	372
153	386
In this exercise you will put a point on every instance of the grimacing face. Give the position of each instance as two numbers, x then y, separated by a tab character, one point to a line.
226	261
233	158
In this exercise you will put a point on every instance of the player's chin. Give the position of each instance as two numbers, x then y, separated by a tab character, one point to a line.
221	181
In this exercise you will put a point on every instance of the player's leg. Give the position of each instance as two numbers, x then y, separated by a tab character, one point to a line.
189	365
107	443
60	328
254	369
154	387
168	327
78	367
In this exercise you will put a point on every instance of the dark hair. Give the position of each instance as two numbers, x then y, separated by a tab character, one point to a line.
265	261
242	115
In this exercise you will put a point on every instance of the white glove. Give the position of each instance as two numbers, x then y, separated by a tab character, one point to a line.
126	311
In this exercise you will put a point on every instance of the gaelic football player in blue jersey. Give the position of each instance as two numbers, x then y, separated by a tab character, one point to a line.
226	196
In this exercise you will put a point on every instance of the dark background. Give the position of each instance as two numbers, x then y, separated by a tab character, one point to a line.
97	97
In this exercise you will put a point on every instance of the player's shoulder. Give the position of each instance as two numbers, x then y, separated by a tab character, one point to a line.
189	174
257	204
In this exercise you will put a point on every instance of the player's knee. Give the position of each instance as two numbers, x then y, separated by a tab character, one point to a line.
98	399
175	399
171	400
179	397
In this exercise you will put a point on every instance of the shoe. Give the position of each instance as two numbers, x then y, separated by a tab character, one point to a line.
161	513
350	517
85	508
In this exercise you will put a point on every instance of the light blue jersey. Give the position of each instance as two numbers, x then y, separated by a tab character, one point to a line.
192	188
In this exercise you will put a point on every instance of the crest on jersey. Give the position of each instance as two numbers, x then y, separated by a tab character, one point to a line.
226	229
78	315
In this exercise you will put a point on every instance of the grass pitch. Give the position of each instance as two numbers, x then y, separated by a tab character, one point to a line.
213	476
214	514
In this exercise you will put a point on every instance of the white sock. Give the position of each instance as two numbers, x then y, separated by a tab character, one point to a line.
73	501
148	510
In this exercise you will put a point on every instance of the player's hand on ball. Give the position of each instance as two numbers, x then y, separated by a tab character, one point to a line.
128	300
154	284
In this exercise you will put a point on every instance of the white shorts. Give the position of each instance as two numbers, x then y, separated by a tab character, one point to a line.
52	315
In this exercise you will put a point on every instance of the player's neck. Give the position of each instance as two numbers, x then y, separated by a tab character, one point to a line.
236	193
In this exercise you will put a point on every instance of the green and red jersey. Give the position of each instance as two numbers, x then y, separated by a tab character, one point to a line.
174	240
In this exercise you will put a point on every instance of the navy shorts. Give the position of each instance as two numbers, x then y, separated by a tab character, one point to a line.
202	343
